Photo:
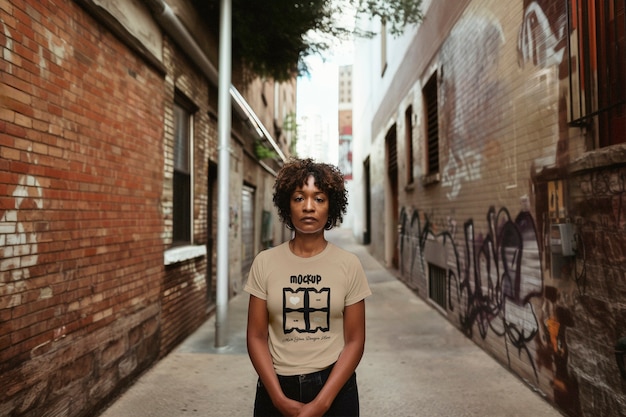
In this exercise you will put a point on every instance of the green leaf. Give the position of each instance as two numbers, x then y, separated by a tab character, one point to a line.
273	38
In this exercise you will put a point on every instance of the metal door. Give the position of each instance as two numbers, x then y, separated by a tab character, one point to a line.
247	231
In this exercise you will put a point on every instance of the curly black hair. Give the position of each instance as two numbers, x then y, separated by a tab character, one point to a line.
328	178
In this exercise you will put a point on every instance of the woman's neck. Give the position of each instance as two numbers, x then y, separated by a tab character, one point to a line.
306	246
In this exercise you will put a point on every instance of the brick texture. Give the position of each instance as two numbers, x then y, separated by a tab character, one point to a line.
81	127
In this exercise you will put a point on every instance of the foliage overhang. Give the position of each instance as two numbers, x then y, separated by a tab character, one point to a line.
272	38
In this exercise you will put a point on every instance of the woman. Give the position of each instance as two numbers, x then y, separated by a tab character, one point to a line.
306	315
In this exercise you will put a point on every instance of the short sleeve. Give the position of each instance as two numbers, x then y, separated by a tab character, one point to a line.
358	287
257	280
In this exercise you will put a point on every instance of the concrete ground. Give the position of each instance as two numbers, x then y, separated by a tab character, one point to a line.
415	364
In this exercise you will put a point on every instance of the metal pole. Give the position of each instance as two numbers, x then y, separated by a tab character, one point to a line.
223	175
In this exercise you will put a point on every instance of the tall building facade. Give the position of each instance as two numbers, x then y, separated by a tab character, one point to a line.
345	120
314	134
344	155
491	152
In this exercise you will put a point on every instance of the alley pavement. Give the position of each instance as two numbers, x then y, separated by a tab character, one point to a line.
415	364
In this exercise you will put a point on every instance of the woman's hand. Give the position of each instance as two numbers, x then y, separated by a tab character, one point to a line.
289	407
312	409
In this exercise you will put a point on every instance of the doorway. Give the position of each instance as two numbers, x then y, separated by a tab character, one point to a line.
367	238
391	144
247	232
211	254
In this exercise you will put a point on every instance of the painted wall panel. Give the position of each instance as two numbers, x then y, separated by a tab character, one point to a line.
511	171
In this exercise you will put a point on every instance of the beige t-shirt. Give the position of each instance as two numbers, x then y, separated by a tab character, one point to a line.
305	301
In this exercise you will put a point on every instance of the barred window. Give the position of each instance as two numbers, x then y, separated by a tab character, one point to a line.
597	68
182	176
408	145
432	125
437	285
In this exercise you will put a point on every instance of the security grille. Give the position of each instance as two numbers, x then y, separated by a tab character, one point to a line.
597	67
247	231
432	123
437	285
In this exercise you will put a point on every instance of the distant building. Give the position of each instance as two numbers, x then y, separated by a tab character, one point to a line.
345	143
345	120
313	137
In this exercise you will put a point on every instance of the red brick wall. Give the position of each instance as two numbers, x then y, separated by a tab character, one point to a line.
81	128
184	306
184	295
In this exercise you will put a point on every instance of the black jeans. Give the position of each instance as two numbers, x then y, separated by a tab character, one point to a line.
304	388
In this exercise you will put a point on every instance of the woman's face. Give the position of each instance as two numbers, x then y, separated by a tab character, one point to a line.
309	208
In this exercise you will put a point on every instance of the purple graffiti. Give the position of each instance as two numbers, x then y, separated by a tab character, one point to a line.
491	278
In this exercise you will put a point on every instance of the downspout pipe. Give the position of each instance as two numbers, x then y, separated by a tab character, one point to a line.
223	176
168	20
228	97
245	109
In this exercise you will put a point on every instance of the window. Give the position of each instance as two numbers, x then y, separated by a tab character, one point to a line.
432	126
437	285
598	68
408	147
391	144
182	176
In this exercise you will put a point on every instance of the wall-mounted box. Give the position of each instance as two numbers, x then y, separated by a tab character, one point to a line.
562	239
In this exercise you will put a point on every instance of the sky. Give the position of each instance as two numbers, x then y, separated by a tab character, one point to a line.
317	89
317	92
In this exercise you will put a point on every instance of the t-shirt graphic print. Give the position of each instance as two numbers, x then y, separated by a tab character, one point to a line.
306	310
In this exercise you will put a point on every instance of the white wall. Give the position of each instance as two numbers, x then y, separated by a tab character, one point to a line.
368	90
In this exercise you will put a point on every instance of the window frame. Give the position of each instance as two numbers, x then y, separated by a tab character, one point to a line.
408	144
182	217
430	100
596	107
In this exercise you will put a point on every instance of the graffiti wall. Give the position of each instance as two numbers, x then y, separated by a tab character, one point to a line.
496	291
530	239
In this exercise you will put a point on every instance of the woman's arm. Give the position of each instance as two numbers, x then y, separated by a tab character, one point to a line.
354	335
258	350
